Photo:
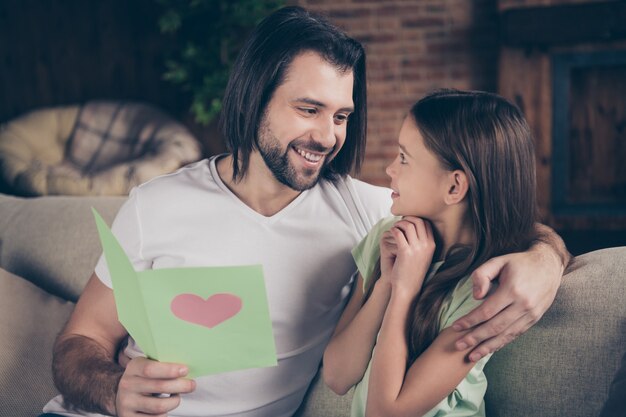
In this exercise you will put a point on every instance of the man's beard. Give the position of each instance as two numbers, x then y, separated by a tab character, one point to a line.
277	160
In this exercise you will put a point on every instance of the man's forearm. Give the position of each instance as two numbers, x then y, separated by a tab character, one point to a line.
86	374
548	237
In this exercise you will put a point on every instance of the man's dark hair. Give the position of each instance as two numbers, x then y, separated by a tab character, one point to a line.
261	67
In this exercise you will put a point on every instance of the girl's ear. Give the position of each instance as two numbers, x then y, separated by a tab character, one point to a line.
457	187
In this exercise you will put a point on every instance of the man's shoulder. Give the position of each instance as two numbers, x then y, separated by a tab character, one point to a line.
369	191
368	202
183	188
373	198
194	173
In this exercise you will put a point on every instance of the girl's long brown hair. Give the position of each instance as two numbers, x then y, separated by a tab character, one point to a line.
487	138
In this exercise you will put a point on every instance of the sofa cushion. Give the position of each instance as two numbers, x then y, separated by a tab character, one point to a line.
53	241
564	365
29	323
615	406
321	401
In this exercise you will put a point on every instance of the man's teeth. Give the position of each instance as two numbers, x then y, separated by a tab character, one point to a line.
311	157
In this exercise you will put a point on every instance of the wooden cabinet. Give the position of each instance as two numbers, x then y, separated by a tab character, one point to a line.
571	85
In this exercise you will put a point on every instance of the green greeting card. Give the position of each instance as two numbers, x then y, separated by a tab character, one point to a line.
212	319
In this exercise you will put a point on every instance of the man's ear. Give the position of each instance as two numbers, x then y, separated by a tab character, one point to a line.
457	187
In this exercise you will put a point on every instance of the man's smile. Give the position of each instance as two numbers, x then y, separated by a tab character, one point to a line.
310	157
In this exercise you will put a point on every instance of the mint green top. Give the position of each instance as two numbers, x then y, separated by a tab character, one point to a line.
467	397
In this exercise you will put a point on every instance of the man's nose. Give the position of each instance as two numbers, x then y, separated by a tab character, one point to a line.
325	133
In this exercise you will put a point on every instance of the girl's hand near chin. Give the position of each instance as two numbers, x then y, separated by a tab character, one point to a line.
415	246
388	253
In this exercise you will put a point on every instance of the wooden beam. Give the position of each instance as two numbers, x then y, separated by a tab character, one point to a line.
564	24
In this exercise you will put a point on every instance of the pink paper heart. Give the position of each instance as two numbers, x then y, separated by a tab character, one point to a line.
208	313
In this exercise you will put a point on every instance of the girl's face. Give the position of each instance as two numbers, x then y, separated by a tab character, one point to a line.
418	179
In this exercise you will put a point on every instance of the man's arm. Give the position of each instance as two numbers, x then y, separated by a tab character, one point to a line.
547	236
527	285
86	372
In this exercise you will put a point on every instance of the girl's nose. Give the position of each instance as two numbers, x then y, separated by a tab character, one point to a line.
390	169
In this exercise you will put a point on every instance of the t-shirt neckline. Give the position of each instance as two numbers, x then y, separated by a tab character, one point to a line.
243	206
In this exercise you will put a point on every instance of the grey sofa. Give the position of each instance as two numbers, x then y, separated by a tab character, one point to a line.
566	365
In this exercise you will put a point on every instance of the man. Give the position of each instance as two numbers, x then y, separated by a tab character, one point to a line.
294	119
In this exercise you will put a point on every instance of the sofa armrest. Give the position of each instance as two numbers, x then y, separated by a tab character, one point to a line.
564	365
30	319
53	241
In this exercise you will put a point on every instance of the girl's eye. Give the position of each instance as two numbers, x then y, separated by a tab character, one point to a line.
402	158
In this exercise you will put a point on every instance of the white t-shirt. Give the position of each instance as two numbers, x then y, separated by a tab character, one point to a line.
190	218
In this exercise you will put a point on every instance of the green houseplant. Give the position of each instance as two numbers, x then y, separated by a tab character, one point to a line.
209	34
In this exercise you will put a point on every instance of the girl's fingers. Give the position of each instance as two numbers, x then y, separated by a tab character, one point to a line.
388	238
423	229
408	229
420	226
429	231
400	237
388	243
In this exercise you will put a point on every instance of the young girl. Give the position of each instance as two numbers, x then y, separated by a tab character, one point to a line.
464	185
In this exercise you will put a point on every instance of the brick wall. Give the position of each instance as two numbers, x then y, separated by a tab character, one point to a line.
515	4
414	47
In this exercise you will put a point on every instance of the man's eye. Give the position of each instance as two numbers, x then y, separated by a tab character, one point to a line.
341	118
308	110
